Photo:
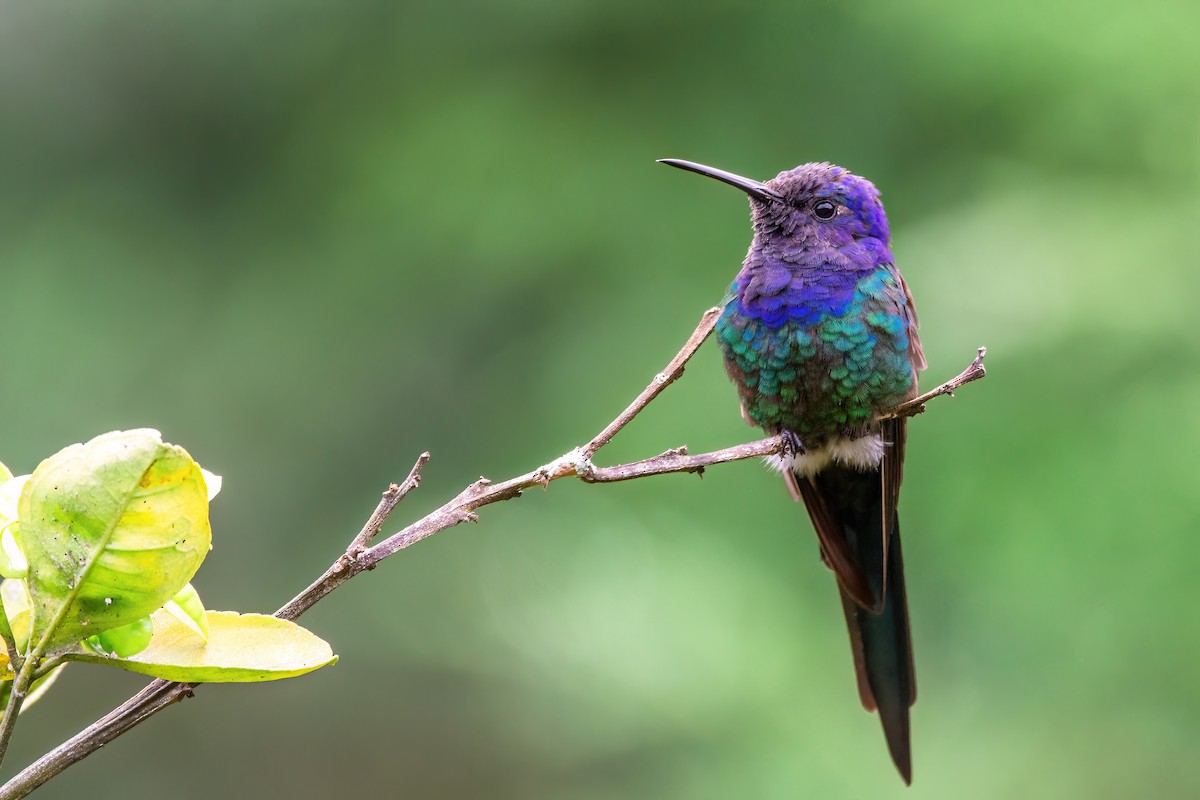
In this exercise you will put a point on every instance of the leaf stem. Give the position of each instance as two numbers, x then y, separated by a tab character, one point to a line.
48	665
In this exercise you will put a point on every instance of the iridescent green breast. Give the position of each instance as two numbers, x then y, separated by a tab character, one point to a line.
824	377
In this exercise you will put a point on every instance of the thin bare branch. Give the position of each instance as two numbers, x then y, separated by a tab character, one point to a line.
391	498
911	408
360	557
661	381
678	460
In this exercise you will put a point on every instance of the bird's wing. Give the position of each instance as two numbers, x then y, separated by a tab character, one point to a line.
914	339
855	551
838	553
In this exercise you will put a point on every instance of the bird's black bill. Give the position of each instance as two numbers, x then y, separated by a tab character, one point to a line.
756	189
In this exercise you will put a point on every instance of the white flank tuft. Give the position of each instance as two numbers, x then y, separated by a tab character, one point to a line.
863	453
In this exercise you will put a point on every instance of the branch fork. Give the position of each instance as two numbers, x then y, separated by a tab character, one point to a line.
362	554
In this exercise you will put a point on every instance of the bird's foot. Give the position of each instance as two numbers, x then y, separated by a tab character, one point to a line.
792	446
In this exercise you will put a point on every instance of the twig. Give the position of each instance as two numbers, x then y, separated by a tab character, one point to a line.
359	557
661	381
18	690
678	460
911	408
391	498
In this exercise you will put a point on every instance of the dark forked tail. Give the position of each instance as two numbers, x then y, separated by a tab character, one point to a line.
848	507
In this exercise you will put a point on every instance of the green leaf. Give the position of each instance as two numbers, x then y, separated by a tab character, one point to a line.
125	640
10	492
187	608
242	648
15	621
15	597
112	529
7	612
213	482
12	558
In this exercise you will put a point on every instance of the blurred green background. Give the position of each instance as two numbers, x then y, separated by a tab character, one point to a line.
310	240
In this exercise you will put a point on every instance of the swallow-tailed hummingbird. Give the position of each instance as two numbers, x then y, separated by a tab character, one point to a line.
820	337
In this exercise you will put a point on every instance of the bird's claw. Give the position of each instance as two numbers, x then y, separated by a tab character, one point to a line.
792	446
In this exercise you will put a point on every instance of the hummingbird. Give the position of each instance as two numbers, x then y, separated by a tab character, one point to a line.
819	335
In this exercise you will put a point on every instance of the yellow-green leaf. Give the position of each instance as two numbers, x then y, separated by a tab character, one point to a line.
12	558
124	640
111	529
187	608
242	648
15	597
10	491
213	482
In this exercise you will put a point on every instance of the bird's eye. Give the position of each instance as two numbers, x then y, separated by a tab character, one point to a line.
824	209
